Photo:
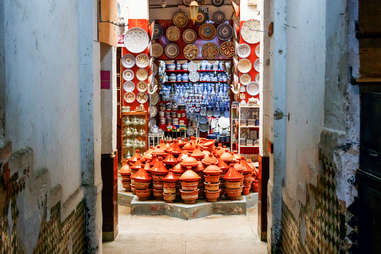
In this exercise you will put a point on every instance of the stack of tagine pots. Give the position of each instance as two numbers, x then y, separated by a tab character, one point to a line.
125	172
247	177
212	182
169	187
177	171
136	157
226	158
142	181
134	168
189	182
198	155
158	171
233	184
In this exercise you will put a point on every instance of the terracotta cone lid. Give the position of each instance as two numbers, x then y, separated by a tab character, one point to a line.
197	154
251	165
182	156
125	170
170	177
159	168
142	176
226	156
212	170
175	148
208	143
210	160
237	157
147	167
181	142
239	167
178	169
247	167
233	175
189	162
189	176
222	165
188	146
200	167
148	155
159	152
136	156
137	165
170	159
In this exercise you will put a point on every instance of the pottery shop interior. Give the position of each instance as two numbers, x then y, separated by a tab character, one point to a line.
191	109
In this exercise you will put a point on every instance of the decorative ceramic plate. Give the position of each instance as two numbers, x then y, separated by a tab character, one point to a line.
157	31
242	89
152	111
128	75
257	65
250	31
244	65
194	76
128	86
257	78
172	50
142	86
243	50
128	61
200	18
258	50
152	88
187	2
154	69
142	60
217	2
136	40
207	31
156	50
129	97
154	99
218	17
210	50
141	74
142	98
192	66
224	32
227	49
189	35
190	51
252	88
173	33
180	19
245	79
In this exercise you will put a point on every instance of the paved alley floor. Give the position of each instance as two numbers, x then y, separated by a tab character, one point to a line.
214	234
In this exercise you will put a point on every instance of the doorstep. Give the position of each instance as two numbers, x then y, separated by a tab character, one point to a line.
200	209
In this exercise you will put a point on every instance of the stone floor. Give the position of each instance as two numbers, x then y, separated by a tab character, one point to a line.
162	234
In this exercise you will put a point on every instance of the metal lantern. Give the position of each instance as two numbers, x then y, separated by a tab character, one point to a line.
193	11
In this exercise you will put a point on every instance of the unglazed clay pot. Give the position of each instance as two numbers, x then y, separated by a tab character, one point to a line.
197	154
189	185
125	172
209	160
233	184
212	178
234	194
169	197
141	185
246	190
143	194
170	160
212	186
158	193
136	157
177	170
226	157
212	196
189	162
189	197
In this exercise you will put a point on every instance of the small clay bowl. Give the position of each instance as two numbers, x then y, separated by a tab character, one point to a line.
212	186
170	184
212	196
158	185
212	178
140	185
232	185
169	190
169	197
234	194
158	194
189	197
246	190
189	185
143	194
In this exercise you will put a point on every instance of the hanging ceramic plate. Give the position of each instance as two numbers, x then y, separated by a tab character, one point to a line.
200	18
224	32
156	50
245	79
128	86
244	65
154	99
194	76
207	31
218	17
189	35
252	88
257	65
152	111
190	51
157	31
141	74
136	40
187	2
154	69
172	50
192	66
242	89
257	50
128	61
243	50
210	50
227	49
129	97
257	78
128	75
250	31
142	98
217	2
173	33
180	19
142	86
142	60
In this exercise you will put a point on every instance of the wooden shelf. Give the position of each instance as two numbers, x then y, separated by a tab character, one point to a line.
134	113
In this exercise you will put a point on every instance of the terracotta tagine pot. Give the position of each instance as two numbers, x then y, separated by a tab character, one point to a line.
159	152
135	168
222	165
177	170
226	157
125	172
170	160
147	167
142	182
143	194
208	145
182	156
212	174
188	147
209	160
136	157
181	142
158	170
189	162
197	154
212	196
189	197
237	157
233	186
189	180
170	184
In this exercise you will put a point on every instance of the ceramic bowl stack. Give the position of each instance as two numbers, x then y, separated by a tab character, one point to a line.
169	187
212	183
233	184
134	169
142	182
189	183
158	171
125	172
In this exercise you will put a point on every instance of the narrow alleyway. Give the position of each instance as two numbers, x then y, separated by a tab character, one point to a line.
162	234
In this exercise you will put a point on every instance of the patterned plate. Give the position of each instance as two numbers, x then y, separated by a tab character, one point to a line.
129	97
142	98
192	66
173	33
252	89
257	65
227	49
250	31
245	79
210	50
141	74
142	86
190	51
157	31
243	50
218	17
217	2
194	76
172	50
244	65
207	31
142	60
156	50
224	32
128	86
189	35
128	61
128	75
180	19
154	99
136	40
258	50
200	19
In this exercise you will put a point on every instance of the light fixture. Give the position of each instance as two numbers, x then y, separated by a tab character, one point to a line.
193	11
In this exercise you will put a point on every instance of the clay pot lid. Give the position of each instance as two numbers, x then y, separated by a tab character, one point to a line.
222	165
148	155
210	160
237	157
159	151
212	170
137	156
170	177
177	169
226	156
159	168
233	175
125	170
147	167
190	176
197	154
137	165
189	162
239	167
208	143
170	159
142	176
181	142
247	167
188	147
200	167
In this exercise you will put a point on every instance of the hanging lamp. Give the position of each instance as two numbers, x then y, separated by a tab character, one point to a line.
193	11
